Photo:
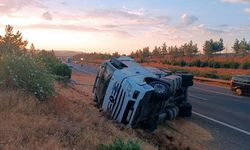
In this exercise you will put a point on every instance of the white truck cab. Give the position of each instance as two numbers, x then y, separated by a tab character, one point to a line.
138	96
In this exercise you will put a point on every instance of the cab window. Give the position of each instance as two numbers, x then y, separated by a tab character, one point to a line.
108	72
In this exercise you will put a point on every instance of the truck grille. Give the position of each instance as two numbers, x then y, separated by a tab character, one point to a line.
119	95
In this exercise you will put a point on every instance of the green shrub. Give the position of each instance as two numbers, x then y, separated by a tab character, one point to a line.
225	77
119	144
234	65
211	75
142	60
196	63
204	64
214	64
231	64
23	72
48	59
183	63
176	63
245	65
62	72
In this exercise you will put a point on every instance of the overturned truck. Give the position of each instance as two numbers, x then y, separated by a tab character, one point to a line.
139	96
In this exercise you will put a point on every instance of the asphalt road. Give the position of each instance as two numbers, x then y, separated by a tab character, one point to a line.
225	115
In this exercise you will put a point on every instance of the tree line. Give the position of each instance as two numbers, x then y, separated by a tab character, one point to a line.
210	47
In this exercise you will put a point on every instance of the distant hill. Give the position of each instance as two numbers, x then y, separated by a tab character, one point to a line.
61	53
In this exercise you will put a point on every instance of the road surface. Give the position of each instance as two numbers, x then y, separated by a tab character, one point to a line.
225	115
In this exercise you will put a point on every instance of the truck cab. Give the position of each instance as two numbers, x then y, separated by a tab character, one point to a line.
141	97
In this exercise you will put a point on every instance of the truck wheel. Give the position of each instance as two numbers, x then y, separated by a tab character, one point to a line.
161	90
238	91
185	110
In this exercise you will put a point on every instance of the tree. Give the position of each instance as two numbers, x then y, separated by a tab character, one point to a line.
207	48
156	51
248	47
132	54
145	52
32	49
164	49
174	51
12	43
236	46
220	46
115	54
210	47
243	46
189	49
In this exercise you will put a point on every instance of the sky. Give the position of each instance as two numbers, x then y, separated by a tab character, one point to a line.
125	25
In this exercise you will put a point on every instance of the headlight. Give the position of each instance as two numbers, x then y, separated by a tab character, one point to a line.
129	90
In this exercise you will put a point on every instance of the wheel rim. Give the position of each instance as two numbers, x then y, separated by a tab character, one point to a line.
239	91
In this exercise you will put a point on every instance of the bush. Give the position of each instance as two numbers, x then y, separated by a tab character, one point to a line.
204	64
195	63
48	59
62	72
245	65
214	64
210	75
142	60
210	64
225	77
183	63
119	144
233	65
23	72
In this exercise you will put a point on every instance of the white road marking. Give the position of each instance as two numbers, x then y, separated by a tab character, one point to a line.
222	123
216	92
197	97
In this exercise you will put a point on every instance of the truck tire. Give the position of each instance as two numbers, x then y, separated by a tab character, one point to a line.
161	90
185	110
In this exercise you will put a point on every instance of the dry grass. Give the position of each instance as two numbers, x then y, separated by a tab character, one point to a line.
63	122
70	121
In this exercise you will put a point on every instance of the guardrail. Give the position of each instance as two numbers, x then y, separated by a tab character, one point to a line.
213	80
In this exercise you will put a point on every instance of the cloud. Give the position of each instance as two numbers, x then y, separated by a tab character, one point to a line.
206	30
111	13
11	6
188	19
63	27
236	1
64	3
247	10
78	28
47	16
124	18
223	25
